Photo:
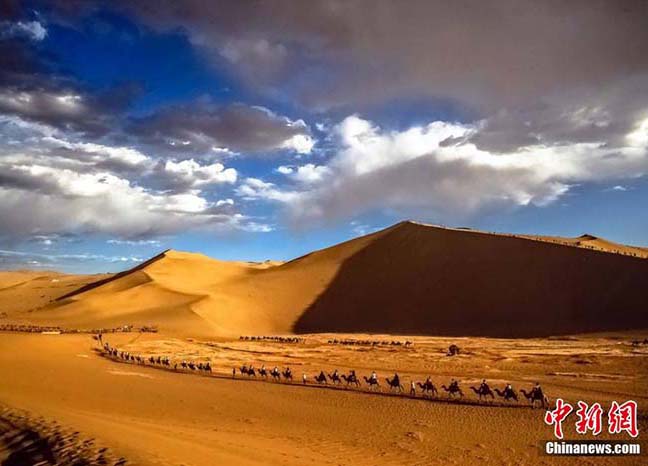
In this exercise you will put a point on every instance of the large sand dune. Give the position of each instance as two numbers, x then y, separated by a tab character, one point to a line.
410	278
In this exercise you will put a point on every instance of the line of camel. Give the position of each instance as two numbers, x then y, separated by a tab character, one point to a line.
535	395
427	387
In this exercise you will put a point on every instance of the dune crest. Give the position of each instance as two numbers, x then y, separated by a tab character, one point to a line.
410	278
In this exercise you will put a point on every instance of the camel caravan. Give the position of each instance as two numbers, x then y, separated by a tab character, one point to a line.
160	361
426	388
272	338
354	342
53	329
391	385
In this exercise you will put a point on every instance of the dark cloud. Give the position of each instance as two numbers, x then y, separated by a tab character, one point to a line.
488	53
202	126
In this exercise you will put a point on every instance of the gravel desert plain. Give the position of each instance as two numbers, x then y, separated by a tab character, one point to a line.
568	313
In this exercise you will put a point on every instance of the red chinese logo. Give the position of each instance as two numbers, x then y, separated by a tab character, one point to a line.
589	418
623	418
558	415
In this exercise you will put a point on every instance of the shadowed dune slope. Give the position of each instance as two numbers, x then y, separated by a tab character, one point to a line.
409	279
427	280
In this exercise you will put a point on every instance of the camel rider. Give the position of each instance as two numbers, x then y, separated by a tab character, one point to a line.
374	376
454	384
335	374
412	388
537	390
352	375
508	390
396	381
428	381
484	387
288	371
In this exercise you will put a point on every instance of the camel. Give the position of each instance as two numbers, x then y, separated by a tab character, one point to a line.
453	390
508	395
535	395
453	350
276	375
428	387
351	379
263	372
320	378
372	383
335	378
287	374
483	391
394	383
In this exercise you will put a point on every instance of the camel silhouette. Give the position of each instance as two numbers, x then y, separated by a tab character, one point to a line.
483	392
508	395
335	378
276	375
535	395
287	374
263	372
373	383
351	379
453	390
394	383
428	387
320	378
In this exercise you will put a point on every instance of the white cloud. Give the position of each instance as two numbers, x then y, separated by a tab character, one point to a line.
30	29
194	174
74	186
254	188
284	170
305	174
300	143
435	168
140	242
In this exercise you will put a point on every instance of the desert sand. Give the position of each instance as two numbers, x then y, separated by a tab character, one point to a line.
523	309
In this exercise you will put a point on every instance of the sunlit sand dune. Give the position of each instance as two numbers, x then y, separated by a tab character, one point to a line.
409	279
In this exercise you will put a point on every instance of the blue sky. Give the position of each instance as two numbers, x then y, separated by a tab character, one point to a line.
249	131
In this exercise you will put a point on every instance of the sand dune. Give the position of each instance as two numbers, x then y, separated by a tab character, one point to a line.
23	290
409	279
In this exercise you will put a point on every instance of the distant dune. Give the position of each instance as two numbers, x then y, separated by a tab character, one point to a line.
22	290
410	279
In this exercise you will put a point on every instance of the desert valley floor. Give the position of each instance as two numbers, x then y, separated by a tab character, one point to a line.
505	301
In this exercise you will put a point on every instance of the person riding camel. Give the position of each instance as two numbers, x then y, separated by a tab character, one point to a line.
508	390
454	384
396	380
484	388
374	376
537	390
